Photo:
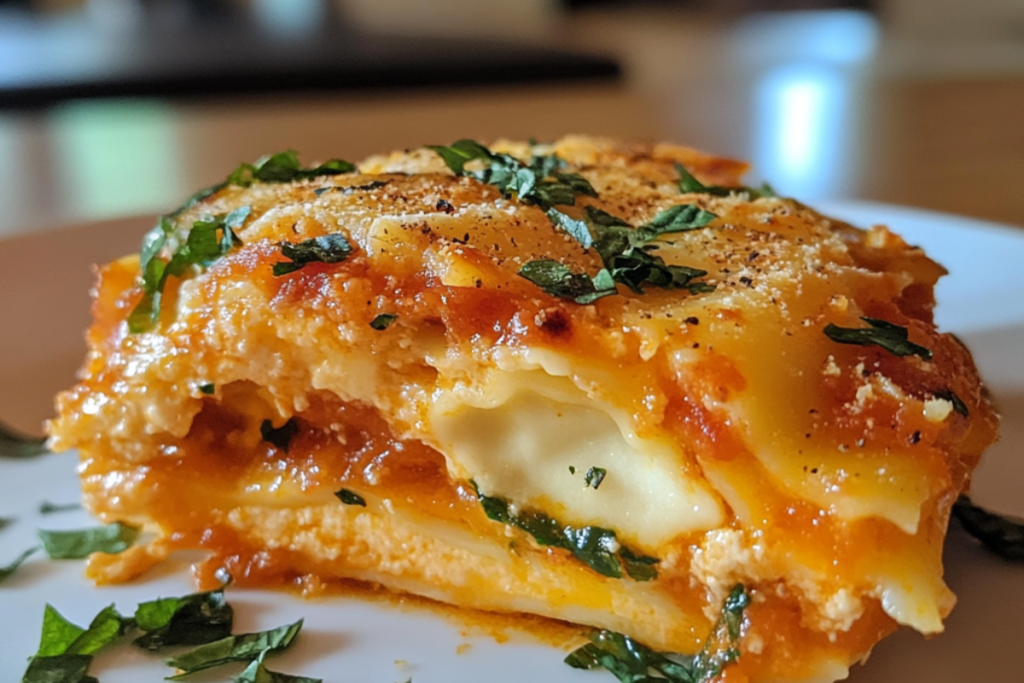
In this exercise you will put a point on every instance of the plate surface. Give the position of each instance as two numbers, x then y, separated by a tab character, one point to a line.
43	283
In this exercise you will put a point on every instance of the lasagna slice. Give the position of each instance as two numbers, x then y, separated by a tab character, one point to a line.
595	381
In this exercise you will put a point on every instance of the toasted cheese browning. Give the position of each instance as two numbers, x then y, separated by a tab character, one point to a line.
737	442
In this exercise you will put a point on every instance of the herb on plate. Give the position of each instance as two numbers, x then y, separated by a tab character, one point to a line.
193	619
350	498
594	476
241	648
48	508
383	321
8	571
1004	536
257	672
74	545
18	446
689	184
889	336
66	650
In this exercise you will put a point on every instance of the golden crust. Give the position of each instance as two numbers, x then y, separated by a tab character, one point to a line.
834	465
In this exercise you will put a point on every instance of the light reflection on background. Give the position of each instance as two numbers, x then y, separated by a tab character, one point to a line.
805	73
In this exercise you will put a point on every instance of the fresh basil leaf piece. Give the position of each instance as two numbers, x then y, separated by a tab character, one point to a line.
240	648
594	476
350	498
595	546
18	446
105	628
74	545
459	153
208	239
577	228
688	184
48	508
208	388
333	248
257	672
193	619
383	321
284	167
1004	536
58	633
678	218
59	669
633	662
281	437
958	404
893	338
558	280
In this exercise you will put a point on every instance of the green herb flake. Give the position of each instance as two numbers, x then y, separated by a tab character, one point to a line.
633	662
8	571
558	280
241	648
257	672
1003	536
280	437
350	498
572	469
59	669
383	321
688	184
18	446
47	508
594	476
66	650
678	218
958	405
208	388
194	619
73	545
893	338
594	546
207	240
333	248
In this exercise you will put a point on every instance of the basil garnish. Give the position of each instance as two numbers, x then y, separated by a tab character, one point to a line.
893	338
594	476
383	321
18	446
257	672
73	545
558	280
538	182
207	388
207	240
240	648
1004	536
350	498
66	650
958	404
8	571
689	184
333	248
632	662
281	437
678	218
47	508
189	620
595	546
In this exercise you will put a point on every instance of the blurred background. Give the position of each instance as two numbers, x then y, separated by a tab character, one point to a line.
110	108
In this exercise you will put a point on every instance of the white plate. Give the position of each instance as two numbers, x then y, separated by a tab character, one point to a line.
43	280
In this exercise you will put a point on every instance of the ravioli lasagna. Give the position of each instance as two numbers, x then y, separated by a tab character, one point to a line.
591	380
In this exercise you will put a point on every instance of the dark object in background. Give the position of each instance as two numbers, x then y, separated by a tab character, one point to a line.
212	55
730	5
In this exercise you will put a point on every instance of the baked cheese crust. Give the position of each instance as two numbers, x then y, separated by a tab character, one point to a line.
730	438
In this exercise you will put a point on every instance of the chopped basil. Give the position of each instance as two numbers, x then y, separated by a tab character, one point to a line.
9	570
284	167
240	648
281	437
538	182
6	522
257	672
66	650
632	662
893	338
72	545
349	498
47	507
333	248
595	546
207	388
572	469
208	239
678	218
348	189
18	446
558	280
958	404
1004	536
689	184
193	619
594	476
383	321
